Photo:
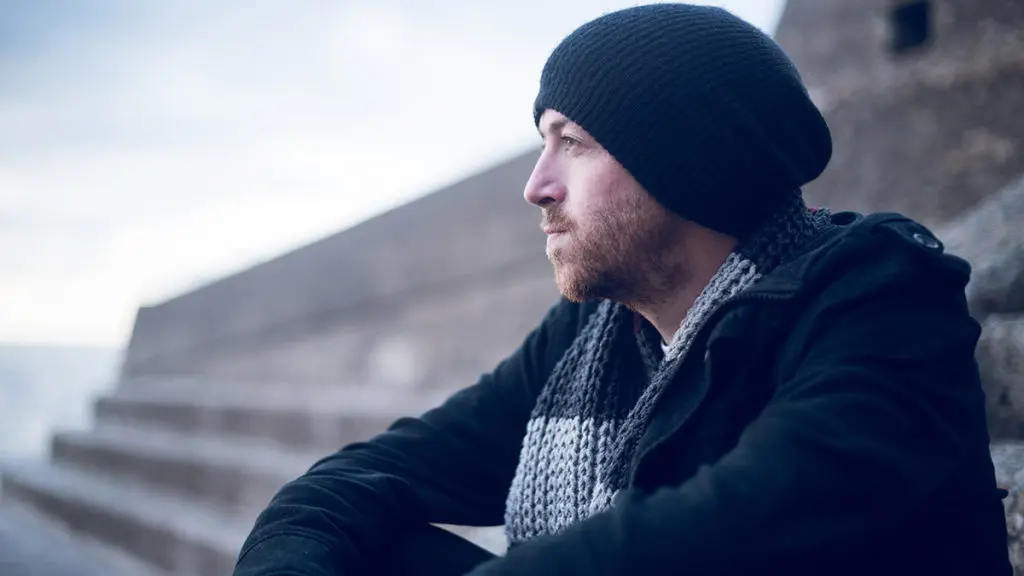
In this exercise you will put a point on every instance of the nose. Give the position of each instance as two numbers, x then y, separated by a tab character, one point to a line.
544	186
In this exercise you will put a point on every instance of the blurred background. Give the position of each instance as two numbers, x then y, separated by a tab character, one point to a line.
237	235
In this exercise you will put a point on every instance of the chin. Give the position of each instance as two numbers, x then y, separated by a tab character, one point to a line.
575	287
593	284
567	283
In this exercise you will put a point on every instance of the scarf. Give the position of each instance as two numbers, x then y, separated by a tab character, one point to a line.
595	406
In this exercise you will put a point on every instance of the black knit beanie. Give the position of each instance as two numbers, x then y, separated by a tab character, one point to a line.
703	109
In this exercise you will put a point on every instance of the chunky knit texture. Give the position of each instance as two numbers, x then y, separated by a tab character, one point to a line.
592	412
703	109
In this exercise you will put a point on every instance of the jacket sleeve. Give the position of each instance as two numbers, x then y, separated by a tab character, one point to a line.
452	465
880	408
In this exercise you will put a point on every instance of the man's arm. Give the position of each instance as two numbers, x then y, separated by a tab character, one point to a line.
884	405
452	465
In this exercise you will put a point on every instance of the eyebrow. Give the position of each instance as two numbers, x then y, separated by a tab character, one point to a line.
555	126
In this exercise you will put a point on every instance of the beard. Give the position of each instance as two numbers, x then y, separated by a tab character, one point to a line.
622	257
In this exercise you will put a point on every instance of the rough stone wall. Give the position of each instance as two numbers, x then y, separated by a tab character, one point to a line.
929	132
989	237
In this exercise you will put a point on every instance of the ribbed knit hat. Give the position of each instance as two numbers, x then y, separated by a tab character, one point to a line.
706	111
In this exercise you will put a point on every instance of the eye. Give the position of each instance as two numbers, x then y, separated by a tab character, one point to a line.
569	143
566	144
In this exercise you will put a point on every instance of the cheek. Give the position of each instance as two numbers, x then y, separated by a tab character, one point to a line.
602	196
590	199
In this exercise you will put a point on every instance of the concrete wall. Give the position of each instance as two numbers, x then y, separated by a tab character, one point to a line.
842	46
929	132
441	339
429	294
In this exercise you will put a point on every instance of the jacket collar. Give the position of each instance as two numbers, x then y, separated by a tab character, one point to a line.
790	277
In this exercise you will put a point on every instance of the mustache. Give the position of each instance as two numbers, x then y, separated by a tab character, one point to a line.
555	221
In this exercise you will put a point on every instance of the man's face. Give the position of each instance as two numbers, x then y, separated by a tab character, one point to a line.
607	238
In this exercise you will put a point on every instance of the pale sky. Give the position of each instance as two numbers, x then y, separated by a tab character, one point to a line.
148	147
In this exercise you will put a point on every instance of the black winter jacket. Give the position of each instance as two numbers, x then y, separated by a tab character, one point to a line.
828	421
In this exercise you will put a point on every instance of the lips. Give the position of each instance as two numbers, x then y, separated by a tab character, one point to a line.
551	228
552	225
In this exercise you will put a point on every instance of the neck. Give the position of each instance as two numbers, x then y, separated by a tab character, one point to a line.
667	315
700	257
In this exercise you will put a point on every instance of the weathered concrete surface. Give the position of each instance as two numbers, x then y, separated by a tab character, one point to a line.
1008	458
176	535
439	340
991	237
842	49
292	417
1000	355
32	546
930	132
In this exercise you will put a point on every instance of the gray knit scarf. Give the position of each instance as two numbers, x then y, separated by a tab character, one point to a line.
595	406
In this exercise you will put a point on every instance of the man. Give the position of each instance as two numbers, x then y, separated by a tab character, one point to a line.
732	384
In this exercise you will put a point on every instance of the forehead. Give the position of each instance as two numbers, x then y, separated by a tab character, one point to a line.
553	121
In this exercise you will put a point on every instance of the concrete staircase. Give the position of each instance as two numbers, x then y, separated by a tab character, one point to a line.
174	472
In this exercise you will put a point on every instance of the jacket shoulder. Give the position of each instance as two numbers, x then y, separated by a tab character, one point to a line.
900	228
885	246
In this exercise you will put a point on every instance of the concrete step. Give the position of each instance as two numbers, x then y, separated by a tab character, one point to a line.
330	396
33	545
231	474
174	535
323	417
